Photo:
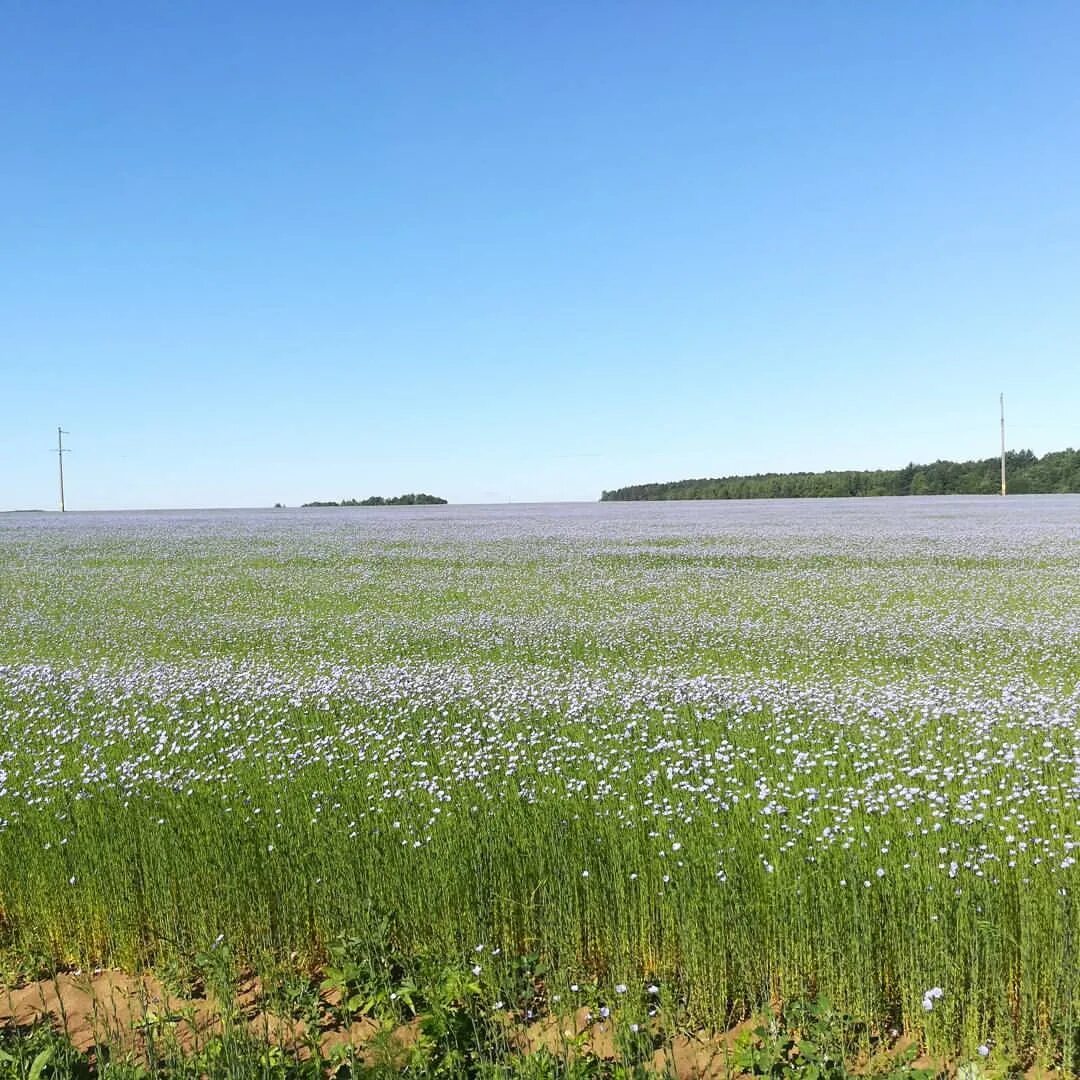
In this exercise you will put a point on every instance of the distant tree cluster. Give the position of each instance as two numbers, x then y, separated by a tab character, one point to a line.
412	499
1054	473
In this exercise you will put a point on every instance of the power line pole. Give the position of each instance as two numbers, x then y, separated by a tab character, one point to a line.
1002	444
60	452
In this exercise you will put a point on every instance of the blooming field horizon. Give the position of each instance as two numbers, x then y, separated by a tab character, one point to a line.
747	750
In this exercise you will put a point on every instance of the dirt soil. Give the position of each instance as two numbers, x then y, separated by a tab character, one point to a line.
120	1010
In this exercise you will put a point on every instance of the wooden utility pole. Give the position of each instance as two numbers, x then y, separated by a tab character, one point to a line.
60	452
1002	444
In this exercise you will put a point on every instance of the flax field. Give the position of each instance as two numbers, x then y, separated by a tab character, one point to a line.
718	754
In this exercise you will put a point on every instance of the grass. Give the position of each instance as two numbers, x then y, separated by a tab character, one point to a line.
748	759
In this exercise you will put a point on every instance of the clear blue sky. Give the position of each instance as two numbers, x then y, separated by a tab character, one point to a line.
276	252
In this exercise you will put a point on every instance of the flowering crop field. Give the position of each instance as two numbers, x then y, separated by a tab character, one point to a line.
739	751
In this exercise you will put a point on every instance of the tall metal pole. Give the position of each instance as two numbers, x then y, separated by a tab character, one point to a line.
60	452
1002	444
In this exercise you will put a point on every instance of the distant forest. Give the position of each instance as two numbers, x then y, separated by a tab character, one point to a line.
1053	473
378	500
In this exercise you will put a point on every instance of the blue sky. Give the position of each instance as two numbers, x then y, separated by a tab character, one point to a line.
278	252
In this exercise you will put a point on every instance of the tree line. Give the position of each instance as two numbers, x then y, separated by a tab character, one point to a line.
1057	472
412	499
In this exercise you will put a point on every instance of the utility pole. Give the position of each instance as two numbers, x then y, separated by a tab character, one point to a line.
60	452
1002	444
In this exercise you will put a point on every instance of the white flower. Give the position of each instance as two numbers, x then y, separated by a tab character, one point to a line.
584	873
476	969
984	1050
652	988
620	988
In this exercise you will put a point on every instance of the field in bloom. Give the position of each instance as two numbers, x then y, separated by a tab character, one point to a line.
737	751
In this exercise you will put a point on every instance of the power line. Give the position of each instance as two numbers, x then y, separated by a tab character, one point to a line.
1002	444
60	451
